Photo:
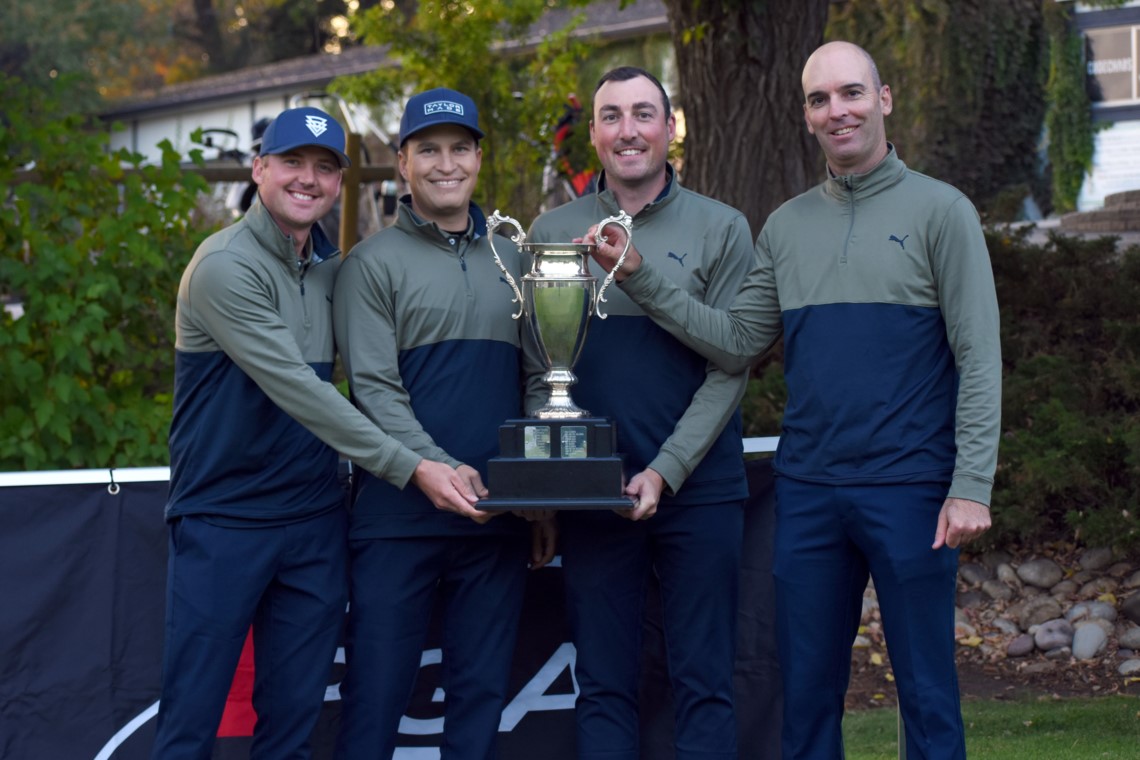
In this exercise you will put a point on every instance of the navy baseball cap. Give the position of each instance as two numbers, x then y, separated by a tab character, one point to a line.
439	106
300	127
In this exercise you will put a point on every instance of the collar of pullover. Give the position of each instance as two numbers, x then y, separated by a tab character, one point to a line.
409	219
885	174
672	188
272	239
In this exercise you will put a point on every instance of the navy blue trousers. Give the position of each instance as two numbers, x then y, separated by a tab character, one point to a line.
394	582
829	539
607	561
290	583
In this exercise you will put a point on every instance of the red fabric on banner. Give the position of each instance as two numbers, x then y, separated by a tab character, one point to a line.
239	717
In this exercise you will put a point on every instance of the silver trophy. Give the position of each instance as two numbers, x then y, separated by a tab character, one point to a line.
558	297
560	457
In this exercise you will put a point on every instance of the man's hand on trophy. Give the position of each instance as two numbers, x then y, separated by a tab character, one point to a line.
452	490
608	250
543	540
645	487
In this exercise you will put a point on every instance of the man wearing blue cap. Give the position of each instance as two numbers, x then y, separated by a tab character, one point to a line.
256	513
423	320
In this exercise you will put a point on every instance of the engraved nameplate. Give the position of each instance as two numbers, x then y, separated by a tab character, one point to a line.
536	442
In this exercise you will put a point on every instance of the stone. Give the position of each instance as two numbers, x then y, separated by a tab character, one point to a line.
1131	608
1133	580
1006	626
1130	638
1096	558
1105	626
973	573
1060	653
1040	666
1020	646
1081	577
1119	570
996	558
1091	610
1129	667
1098	586
1040	572
870	607
1089	640
1007	575
995	589
1066	589
1053	634
971	599
964	631
861	642
1038	609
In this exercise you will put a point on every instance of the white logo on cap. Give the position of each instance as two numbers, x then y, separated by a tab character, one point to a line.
443	106
316	124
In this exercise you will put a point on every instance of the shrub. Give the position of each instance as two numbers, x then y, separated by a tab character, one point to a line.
92	246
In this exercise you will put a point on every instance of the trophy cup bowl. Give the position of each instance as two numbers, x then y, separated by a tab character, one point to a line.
558	296
570	462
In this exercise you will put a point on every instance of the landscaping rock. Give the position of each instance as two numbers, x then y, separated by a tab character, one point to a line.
1020	646
1053	634
1066	589
1096	558
1036	610
1089	640
971	598
1131	608
1129	667
974	574
995	589
1040	572
1130	638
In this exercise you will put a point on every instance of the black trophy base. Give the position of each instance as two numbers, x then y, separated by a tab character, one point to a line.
556	464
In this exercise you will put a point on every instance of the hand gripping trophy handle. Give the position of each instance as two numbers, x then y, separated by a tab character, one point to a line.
494	221
626	223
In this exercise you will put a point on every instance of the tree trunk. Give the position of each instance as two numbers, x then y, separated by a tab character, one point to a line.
739	65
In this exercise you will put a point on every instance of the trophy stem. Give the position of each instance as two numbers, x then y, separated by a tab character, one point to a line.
559	405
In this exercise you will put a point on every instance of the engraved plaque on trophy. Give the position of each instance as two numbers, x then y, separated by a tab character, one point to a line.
560	457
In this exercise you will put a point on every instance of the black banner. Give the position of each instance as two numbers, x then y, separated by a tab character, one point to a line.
82	584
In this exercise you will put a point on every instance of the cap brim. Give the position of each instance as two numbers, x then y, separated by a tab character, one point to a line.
341	157
476	132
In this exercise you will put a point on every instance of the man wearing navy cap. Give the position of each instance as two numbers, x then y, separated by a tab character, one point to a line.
256	513
423	320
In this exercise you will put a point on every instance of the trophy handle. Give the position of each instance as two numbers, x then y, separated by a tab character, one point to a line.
623	219
494	221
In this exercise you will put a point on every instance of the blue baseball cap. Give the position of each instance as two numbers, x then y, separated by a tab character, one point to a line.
439	106
301	127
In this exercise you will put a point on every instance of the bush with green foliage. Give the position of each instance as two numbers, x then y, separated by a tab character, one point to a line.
1070	453
92	246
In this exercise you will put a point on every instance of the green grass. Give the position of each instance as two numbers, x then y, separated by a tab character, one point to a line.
1105	728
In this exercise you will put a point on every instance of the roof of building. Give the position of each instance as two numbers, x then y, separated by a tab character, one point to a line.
606	20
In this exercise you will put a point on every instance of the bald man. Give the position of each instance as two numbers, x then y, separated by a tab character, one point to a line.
880	280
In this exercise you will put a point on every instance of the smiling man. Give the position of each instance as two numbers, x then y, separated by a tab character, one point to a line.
880	279
678	424
257	516
423	322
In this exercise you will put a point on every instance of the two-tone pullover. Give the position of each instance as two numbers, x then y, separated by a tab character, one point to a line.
423	323
674	412
883	285
257	424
